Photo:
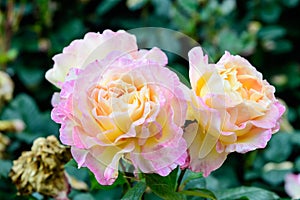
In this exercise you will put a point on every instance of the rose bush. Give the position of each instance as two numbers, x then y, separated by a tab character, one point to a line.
118	102
235	110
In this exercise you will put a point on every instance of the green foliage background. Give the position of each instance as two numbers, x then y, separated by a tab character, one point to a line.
264	31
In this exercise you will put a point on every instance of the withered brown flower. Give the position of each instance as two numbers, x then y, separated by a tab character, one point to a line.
42	169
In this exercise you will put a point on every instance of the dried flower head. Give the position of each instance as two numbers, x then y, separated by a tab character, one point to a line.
42	169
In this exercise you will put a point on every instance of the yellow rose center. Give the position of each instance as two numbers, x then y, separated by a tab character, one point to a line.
120	103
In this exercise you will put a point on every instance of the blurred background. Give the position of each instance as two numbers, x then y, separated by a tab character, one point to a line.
266	32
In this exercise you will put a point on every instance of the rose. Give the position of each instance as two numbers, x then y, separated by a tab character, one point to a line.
292	185
127	105
235	110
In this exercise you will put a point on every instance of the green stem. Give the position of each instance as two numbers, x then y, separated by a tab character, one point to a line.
127	179
180	179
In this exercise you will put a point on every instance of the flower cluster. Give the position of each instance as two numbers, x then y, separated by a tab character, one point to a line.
121	103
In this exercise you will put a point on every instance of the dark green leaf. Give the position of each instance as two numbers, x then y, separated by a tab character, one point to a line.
295	138
189	6
164	187
279	141
290	3
31	38
229	40
204	193
251	193
164	39
136	192
275	177
74	29
192	180
228	6
106	6
38	124
5	166
282	46
229	168
82	174
162	8
297	164
85	196
271	12
22	107
31	77
271	32
115	193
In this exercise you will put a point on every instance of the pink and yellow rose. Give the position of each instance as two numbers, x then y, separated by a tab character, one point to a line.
235	110
117	102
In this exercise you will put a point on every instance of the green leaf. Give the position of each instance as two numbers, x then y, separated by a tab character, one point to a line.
189	6
136	192
82	174
5	168
229	40
151	196
162	8
164	187
22	107
251	193
297	164
30	76
282	46
106	6
295	138
290	3
271	12
115	193
164	39
192	180
279	148
229	168
228	6
294	82
271	32
31	38
38	124
73	29
200	193
275	177
85	196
